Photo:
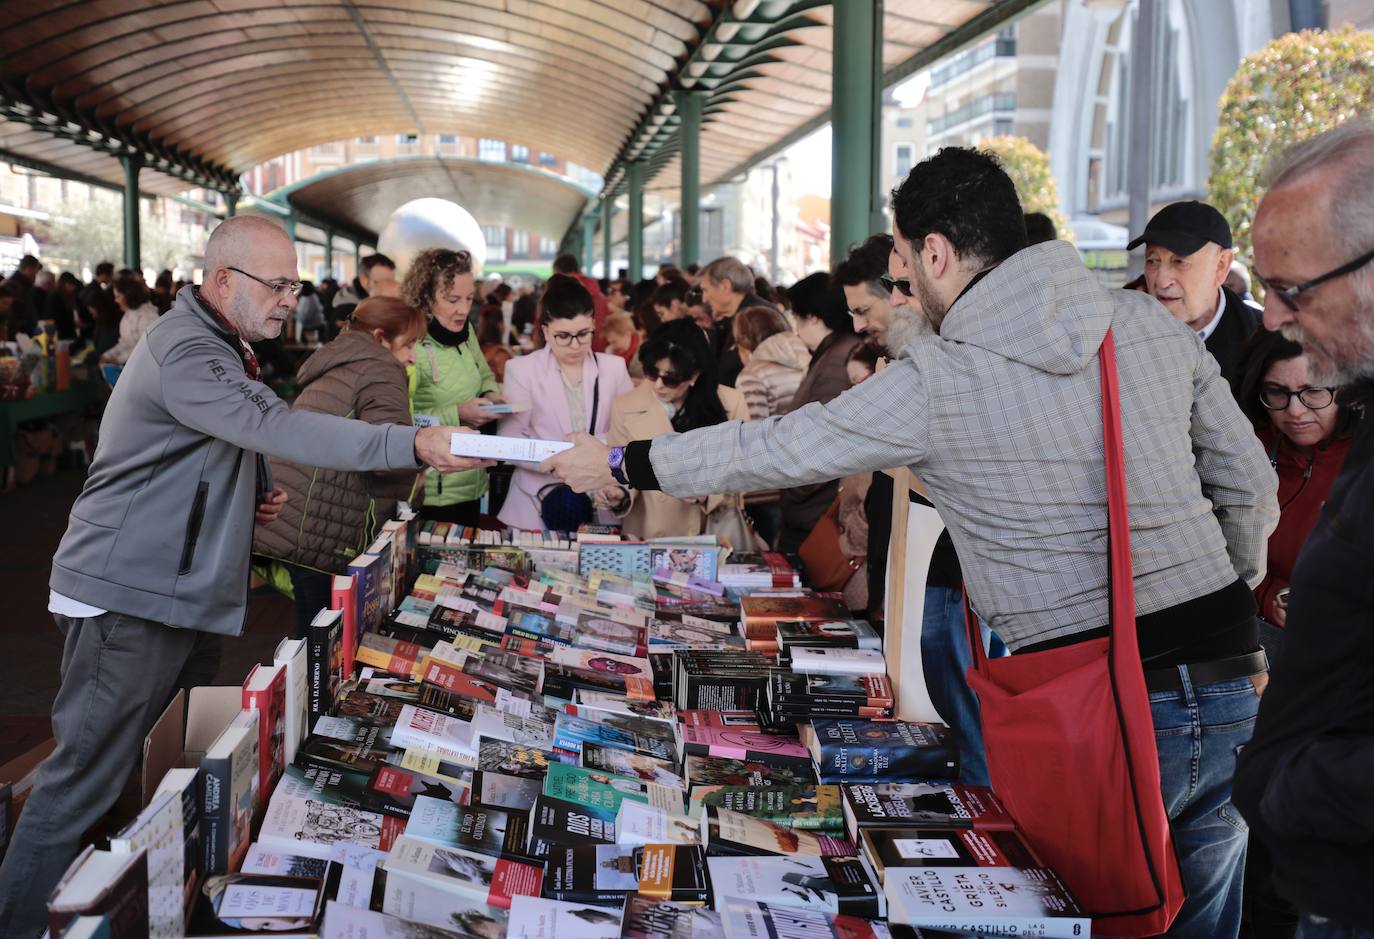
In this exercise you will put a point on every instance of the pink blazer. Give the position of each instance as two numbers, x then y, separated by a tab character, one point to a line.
535	378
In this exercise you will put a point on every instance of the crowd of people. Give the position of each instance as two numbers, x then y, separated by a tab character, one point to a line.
965	346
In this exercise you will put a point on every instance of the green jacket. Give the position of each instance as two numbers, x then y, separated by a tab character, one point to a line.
443	378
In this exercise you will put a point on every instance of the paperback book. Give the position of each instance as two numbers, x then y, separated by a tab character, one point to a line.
556	822
809	807
734	833
647	918
744	745
542	918
896	848
609	874
995	901
492	831
467	874
921	805
871	751
832	884
717	771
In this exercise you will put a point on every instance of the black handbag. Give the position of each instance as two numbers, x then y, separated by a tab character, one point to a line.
561	509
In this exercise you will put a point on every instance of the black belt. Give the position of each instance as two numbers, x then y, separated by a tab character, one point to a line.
1207	673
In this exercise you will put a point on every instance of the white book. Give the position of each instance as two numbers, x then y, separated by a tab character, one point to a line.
296	823
639	823
743	919
996	901
419	901
810	660
291	654
159	830
532	730
430	730
541	918
346	922
464	874
264	860
506	449
834	885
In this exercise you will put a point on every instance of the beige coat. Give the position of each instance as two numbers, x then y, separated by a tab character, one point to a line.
770	378
638	415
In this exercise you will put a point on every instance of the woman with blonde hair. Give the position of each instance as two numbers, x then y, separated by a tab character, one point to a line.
331	516
451	383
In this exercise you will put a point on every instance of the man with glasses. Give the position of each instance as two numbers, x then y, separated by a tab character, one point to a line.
1188	257
1306	780
153	567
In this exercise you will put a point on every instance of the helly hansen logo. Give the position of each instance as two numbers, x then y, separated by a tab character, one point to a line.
221	373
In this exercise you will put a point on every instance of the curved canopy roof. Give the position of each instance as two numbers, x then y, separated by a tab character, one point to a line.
202	90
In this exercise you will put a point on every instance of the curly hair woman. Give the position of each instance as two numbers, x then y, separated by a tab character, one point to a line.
451	382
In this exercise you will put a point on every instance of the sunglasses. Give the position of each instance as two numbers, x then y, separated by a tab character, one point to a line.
1289	295
668	378
901	284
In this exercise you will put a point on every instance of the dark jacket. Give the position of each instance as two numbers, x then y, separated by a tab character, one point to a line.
1305	782
331	516
344	300
825	379
164	526
1238	323
728	362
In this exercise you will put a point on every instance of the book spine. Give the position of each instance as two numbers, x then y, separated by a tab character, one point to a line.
317	674
216	813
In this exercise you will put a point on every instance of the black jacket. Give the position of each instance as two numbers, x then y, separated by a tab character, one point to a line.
1238	323
728	363
1305	782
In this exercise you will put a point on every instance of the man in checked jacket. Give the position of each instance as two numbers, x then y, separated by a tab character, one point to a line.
998	410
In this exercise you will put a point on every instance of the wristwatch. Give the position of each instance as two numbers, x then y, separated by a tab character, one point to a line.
616	462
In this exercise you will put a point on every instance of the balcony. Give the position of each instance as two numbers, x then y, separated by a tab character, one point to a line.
965	62
978	107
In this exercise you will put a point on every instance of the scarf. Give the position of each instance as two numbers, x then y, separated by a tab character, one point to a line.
251	369
447	337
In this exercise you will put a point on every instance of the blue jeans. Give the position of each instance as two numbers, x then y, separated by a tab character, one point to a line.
1199	731
946	658
1315	927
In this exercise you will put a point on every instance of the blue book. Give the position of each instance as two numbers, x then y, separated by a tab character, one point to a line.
849	750
571	733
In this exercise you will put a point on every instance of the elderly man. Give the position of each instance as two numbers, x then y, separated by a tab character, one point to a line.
727	286
1306	781
1187	260
999	412
153	567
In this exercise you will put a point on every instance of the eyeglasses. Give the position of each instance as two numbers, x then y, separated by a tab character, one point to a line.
279	288
1277	397
895	283
1289	295
567	339
668	378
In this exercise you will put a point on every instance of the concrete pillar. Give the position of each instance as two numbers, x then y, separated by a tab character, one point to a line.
635	239
607	239
329	252
855	206
689	112
132	163
588	244
1142	106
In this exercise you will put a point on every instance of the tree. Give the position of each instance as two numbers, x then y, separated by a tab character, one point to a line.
1295	87
1029	168
84	232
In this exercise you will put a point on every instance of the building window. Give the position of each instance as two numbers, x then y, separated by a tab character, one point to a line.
492	151
448	138
548	247
519	154
495	237
368	141
904	159
520	244
547	159
407	140
1002	127
906	122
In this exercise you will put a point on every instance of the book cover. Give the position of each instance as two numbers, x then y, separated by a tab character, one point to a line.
839	634
184	785
733	720
881	751
744	745
717	771
699	561
634	673
600	701
647	918
620	557
921	805
349	922
598	632
572	733
606	790
114	883
727	832
743	919
391	654
934	847
250	903
560	822
848	690
502	791
264	691
634	765
490	880
562	682
294	658
814	660
809	807
761	612
533	730
483	829
296	822
999	901
261	860
424	902
429	730
350	756
159	832
834	885
640	823
372	596
542	918
229	797
608	874
343	596
518	674
324	660
516	759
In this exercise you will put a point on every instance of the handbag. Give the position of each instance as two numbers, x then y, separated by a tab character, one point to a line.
824	562
733	529
560	508
1070	741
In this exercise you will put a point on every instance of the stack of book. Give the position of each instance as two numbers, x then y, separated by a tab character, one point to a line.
652	740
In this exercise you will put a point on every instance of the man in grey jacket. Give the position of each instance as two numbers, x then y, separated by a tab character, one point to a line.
999	412
153	567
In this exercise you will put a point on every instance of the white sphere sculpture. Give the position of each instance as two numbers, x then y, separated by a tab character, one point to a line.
431	223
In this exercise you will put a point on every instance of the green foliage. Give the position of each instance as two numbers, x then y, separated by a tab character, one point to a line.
1295	87
84	232
1029	168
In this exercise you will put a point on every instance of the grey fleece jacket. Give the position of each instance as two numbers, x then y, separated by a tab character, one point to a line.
164	526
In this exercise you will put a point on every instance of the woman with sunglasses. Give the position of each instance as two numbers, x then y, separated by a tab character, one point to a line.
568	387
680	392
1306	430
451	383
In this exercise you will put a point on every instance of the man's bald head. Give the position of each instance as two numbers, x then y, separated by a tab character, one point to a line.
243	257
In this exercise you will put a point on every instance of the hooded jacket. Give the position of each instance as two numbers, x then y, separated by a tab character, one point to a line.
770	379
331	516
445	376
1000	415
164	526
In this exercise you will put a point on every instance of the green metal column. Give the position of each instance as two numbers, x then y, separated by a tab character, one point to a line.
231	204
588	243
357	257
607	239
855	206
132	163
329	252
689	112
291	227
635	238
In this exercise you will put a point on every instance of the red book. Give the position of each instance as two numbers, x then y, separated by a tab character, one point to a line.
344	598
458	682
264	691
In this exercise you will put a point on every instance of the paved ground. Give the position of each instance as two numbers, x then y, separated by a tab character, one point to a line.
33	519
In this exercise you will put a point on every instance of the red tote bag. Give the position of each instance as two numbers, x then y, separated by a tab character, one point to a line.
1071	746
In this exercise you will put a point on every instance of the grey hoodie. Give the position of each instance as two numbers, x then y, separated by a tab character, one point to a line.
164	525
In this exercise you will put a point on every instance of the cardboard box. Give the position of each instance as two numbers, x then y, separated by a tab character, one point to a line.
185	731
